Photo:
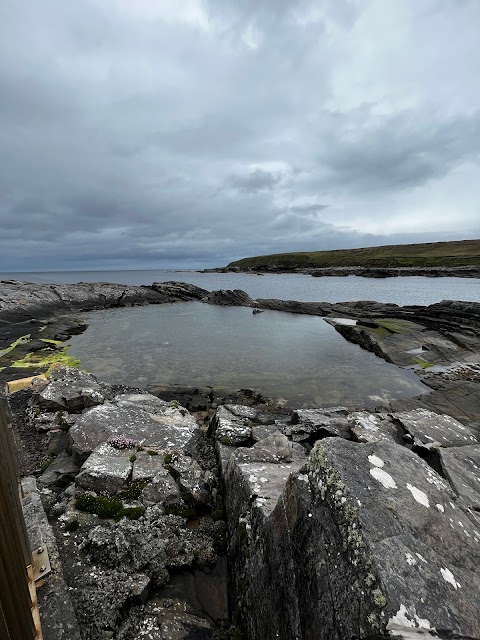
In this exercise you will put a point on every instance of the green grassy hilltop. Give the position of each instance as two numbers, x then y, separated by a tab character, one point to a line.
458	253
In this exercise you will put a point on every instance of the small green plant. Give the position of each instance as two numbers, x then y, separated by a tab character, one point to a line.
72	525
151	452
133	457
134	513
134	491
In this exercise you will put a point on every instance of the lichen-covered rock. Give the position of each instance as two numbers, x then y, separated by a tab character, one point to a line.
150	545
71	390
146	465
107	469
368	541
275	448
371	427
148	421
193	481
162	489
232	426
429	428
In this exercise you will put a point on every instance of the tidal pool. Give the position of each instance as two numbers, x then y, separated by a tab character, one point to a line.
300	359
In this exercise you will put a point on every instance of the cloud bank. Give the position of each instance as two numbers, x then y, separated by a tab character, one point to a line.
150	133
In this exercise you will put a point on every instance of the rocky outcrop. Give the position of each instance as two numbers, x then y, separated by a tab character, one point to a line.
141	418
357	541
230	298
472	271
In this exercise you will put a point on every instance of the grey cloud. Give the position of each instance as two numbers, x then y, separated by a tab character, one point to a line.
399	151
256	180
134	134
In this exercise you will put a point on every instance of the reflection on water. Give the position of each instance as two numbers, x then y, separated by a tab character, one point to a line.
299	358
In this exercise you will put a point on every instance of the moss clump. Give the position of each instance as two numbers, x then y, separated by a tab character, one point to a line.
72	525
151	452
102	506
168	459
134	513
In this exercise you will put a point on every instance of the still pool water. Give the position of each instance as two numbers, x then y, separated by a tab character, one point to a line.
301	359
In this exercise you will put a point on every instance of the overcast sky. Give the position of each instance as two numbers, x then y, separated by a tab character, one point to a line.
149	133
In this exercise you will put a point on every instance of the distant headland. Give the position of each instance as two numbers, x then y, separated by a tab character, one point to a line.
456	258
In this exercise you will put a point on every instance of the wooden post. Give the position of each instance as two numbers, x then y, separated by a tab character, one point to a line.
16	619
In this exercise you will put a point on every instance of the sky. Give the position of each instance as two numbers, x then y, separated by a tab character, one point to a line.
190	133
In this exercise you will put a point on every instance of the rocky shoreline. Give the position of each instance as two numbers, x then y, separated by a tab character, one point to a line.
334	523
365	272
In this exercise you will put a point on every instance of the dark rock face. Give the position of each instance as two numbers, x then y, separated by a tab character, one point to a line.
354	540
231	298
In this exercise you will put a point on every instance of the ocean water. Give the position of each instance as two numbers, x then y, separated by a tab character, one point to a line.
403	290
301	359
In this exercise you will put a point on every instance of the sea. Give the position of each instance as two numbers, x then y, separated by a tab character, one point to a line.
297	360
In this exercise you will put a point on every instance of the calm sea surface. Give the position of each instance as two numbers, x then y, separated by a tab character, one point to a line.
298	358
411	290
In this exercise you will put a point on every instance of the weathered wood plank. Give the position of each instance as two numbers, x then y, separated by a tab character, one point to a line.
16	620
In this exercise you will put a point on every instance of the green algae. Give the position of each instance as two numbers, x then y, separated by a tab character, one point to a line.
39	360
21	340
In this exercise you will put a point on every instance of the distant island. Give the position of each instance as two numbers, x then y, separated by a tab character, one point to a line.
461	257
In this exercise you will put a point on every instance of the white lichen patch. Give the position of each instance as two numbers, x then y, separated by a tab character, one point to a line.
409	627
376	461
419	495
449	577
440	507
410	559
383	477
420	557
